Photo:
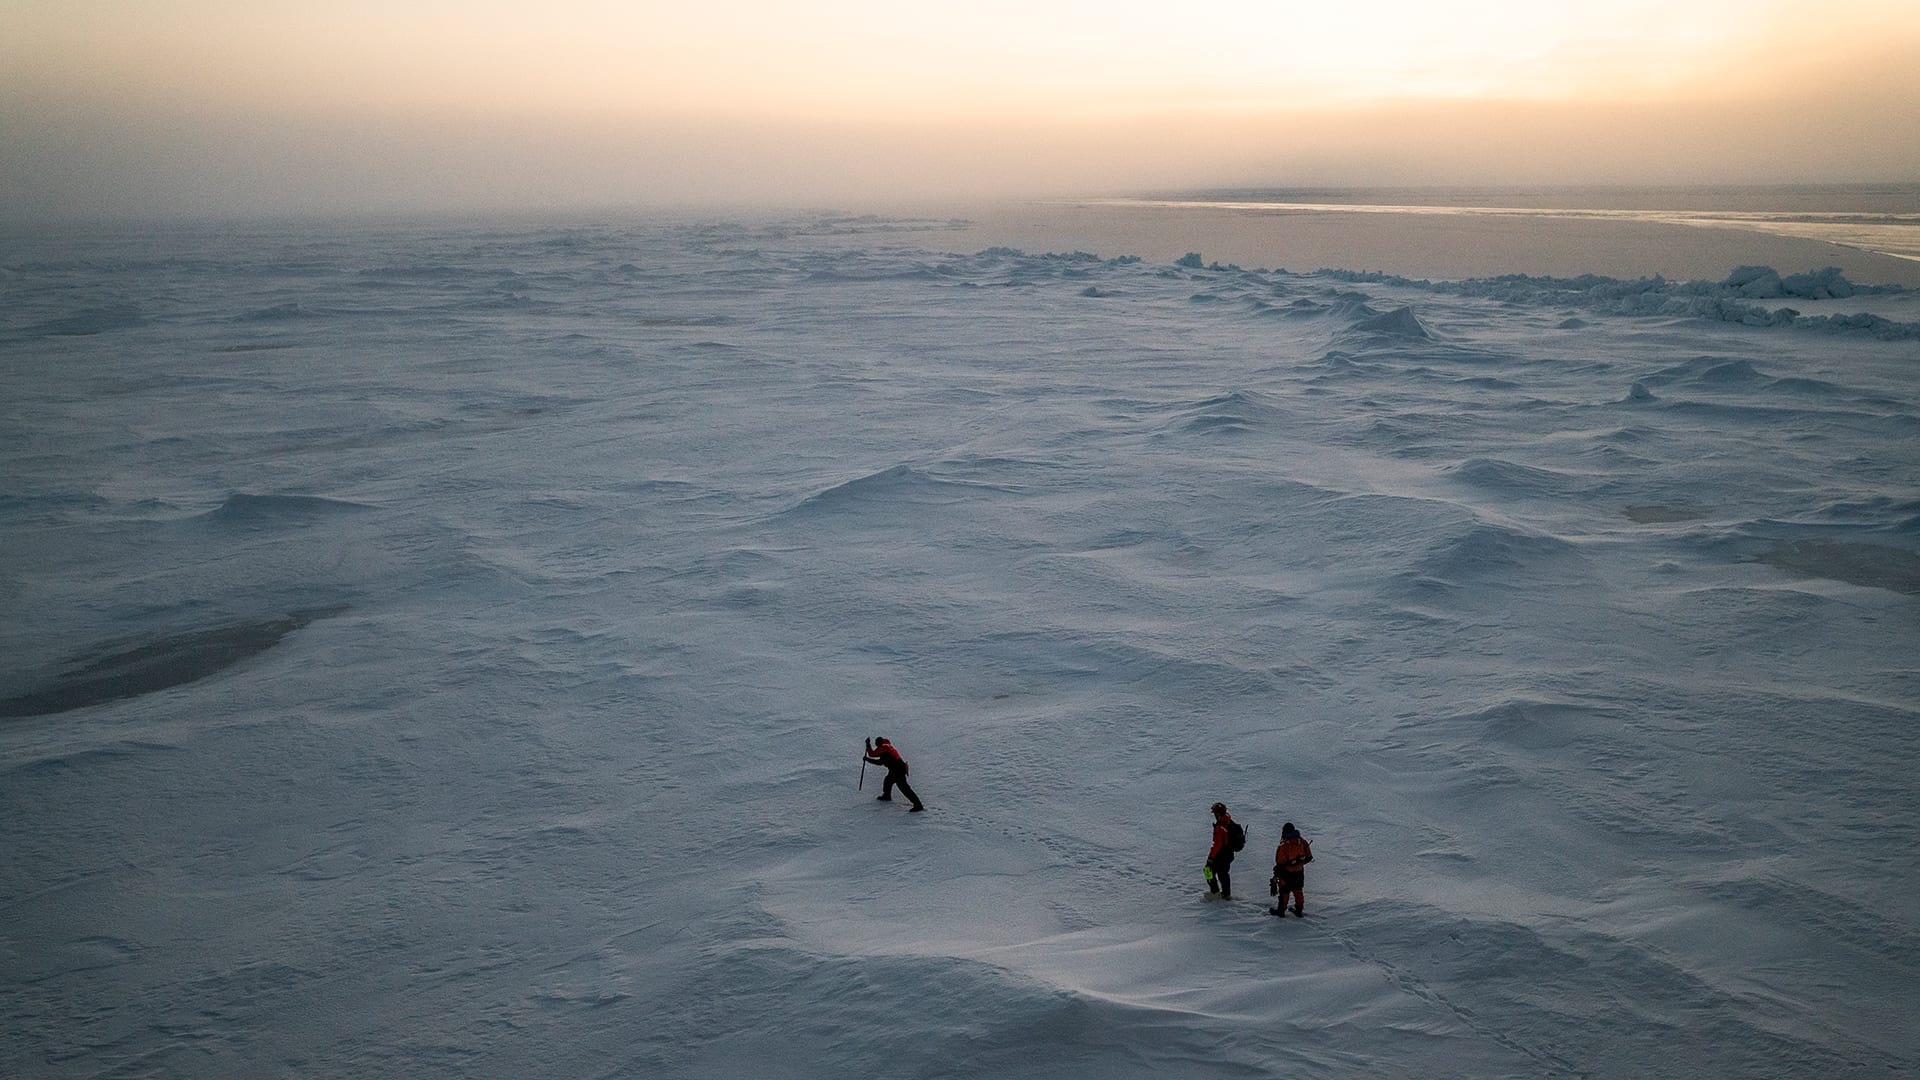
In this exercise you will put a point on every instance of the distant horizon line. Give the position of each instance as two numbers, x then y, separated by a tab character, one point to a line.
1881	218
1898	198
1346	192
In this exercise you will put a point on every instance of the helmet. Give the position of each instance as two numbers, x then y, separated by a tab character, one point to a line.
1219	808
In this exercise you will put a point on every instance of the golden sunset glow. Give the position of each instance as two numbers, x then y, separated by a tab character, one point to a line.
858	59
1087	94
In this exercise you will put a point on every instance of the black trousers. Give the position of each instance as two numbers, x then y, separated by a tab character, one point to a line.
897	778
1292	882
1222	881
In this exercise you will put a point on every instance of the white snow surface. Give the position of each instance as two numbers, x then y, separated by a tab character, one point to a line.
446	652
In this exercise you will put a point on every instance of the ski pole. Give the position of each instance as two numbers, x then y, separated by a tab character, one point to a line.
862	786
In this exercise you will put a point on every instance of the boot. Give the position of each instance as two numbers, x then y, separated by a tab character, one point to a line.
916	809
883	798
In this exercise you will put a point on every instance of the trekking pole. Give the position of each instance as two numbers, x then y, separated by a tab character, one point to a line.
862	786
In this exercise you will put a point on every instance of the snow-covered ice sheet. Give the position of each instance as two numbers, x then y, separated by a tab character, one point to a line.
447	652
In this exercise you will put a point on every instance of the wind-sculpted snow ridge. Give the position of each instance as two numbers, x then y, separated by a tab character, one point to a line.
1002	1021
245	508
1512	479
1724	301
1229	413
897	489
1498	556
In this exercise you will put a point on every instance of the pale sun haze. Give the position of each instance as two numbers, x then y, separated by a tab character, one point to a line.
264	103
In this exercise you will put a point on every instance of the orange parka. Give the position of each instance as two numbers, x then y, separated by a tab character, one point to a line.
1292	855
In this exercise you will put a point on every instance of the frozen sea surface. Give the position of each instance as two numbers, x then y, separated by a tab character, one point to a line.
446	652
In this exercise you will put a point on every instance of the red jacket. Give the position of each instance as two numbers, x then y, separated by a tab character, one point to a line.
1219	835
883	753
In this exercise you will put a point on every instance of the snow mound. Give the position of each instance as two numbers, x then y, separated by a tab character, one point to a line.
1400	322
1513	479
1497	555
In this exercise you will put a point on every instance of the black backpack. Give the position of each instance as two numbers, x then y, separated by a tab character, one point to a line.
1236	836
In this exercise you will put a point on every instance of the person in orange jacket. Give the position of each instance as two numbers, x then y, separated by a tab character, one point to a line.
1220	855
881	752
1289	873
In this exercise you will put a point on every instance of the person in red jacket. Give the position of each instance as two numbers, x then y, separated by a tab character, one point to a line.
1220	855
881	752
1289	873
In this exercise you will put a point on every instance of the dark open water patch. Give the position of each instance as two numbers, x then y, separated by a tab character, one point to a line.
1856	564
159	665
685	320
89	321
1660	515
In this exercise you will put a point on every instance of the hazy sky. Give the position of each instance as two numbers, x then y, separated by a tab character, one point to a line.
198	106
